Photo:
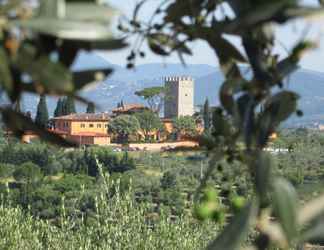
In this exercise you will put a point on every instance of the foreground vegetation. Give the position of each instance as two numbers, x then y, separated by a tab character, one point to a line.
38	47
117	223
99	199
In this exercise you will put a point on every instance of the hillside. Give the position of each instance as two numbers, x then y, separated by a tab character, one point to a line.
122	84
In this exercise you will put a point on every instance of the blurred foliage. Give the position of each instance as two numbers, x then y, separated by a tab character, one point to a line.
39	41
250	110
50	34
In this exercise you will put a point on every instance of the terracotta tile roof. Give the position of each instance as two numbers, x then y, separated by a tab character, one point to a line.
84	117
90	134
129	107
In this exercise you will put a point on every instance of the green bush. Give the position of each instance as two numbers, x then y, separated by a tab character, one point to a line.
6	170
28	173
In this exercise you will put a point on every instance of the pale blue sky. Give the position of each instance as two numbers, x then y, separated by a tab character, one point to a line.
202	54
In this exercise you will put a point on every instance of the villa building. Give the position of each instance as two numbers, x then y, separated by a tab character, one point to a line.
84	129
129	109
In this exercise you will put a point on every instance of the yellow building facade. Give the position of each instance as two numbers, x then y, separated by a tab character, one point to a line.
84	129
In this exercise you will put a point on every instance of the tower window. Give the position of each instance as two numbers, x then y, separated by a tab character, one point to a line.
98	125
90	125
82	125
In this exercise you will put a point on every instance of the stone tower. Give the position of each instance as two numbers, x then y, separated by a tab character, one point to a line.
179	99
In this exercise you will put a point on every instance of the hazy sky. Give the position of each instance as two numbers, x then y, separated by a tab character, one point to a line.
202	54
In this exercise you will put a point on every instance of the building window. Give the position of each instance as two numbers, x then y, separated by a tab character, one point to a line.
82	125
106	125
98	125
90	125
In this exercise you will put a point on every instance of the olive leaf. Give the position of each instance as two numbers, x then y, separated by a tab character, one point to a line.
157	48
71	21
285	204
56	77
314	233
233	234
262	166
163	44
276	110
227	91
83	78
221	126
226	50
177	10
19	123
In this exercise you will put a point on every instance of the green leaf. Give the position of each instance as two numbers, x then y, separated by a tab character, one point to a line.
56	77
235	232
177	10
314	232
72	21
89	12
221	126
285	204
228	89
67	29
276	110
19	123
157	48
245	117
311	210
256	15
83	78
226	51
302	11
110	44
262	166
163	44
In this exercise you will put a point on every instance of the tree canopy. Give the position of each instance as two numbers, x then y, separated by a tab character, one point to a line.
154	97
185	126
59	108
149	122
123	126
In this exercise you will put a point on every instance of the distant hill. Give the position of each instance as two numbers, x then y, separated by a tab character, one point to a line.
122	84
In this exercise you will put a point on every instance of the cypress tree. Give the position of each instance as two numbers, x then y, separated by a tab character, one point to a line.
59	108
91	107
70	106
206	115
42	112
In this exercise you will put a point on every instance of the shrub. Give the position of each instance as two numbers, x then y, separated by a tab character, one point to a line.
6	170
28	172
